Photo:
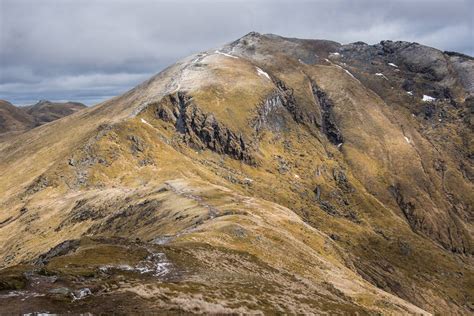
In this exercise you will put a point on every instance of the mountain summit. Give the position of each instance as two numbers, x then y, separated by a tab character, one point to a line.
270	175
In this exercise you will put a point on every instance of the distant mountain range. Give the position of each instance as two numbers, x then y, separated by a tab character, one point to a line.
15	119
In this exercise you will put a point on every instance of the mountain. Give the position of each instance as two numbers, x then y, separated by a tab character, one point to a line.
15	119
46	111
270	175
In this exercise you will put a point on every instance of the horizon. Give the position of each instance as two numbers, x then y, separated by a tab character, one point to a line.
95	65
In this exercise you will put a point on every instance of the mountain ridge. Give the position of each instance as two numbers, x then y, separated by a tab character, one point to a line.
293	159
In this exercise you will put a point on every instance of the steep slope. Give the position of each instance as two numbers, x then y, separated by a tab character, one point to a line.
270	175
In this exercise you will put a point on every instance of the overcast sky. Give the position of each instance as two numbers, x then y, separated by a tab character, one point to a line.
91	50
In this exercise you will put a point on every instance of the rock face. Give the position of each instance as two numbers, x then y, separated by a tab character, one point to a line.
331	178
328	125
202	130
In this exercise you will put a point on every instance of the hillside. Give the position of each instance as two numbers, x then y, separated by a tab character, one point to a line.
269	175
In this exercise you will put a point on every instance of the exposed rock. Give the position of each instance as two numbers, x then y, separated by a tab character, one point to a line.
283	165
138	146
329	208
64	291
329	127
317	192
38	184
341	181
62	249
405	248
407	207
335	237
203	130
268	113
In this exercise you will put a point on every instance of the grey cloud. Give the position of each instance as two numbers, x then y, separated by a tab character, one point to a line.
89	50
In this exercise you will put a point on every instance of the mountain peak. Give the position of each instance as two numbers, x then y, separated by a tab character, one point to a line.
42	101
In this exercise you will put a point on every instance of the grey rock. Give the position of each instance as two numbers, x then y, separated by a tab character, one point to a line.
60	290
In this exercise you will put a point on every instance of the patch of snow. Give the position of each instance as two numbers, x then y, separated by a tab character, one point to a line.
162	240
156	263
177	88
393	65
227	55
327	60
78	295
349	73
199	57
24	294
339	145
12	294
145	122
407	139
381	75
427	98
260	72
124	267
334	54
410	92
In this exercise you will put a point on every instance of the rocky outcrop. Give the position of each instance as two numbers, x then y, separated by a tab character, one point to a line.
201	129
62	249
266	113
407	207
447	230
329	127
283	98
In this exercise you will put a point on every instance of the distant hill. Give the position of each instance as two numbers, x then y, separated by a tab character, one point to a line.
46	111
14	119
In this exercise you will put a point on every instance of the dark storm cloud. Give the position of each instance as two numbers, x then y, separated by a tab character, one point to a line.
91	50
